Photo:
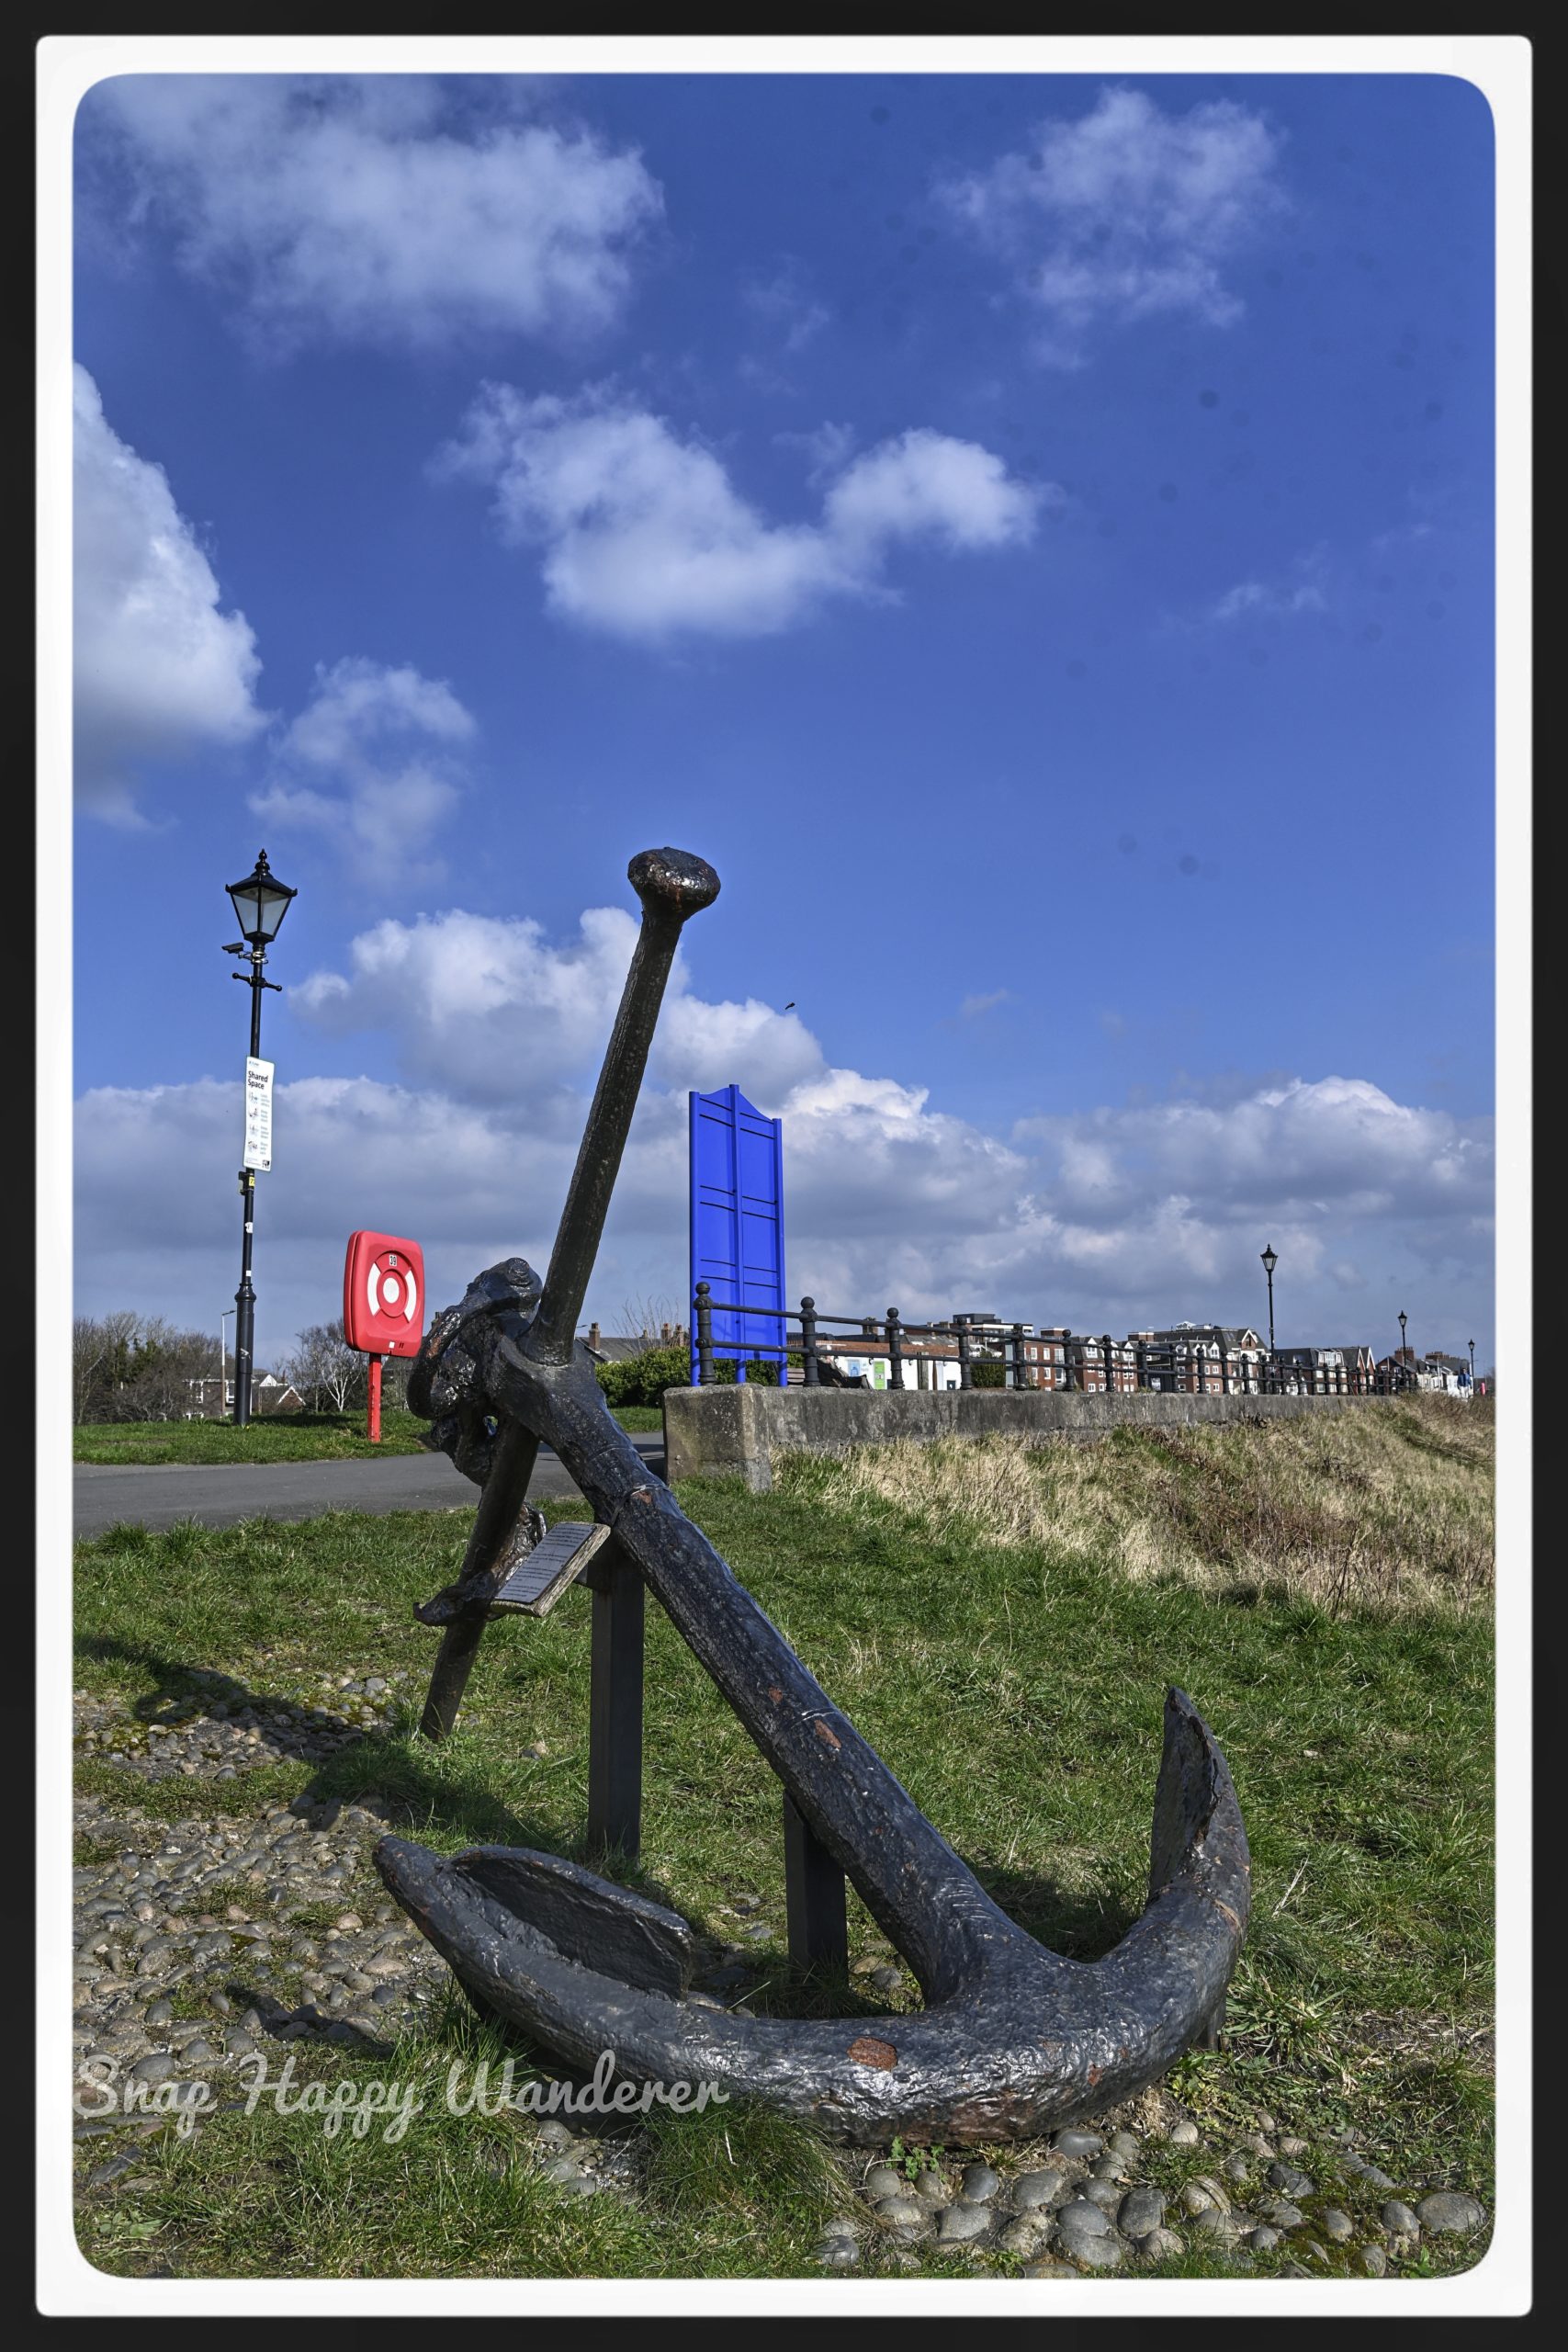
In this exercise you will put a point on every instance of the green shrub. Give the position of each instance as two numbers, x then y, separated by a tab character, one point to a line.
642	1380
988	1373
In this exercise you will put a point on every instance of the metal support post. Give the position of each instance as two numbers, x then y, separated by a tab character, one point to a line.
809	1343
245	1305
814	1896
614	1703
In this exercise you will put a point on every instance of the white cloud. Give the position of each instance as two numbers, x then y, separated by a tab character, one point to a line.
159	672
348	1152
358	702
1306	590
645	536
700	1046
1255	599
478	1004
1314	582
370	210
784	305
486	1008
1128	213
385	743
497	1017
973	1006
927	485
1302	1149
827	450
1109	1217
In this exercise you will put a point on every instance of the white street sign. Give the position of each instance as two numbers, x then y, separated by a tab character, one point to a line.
259	1112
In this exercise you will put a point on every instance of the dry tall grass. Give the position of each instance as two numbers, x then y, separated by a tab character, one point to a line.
1385	1508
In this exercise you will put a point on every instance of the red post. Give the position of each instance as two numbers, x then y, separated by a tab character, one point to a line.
373	1428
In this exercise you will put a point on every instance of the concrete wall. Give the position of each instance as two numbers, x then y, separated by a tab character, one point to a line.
730	1433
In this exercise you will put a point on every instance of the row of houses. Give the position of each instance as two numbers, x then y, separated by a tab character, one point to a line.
1192	1358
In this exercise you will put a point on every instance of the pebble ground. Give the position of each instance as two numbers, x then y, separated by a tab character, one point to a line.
234	1930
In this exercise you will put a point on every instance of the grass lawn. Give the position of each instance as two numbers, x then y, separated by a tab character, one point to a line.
1011	1666
275	1437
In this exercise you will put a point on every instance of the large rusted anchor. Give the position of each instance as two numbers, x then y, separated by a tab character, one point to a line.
1012	2038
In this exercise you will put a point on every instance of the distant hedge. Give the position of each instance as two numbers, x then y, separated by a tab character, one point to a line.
765	1375
642	1380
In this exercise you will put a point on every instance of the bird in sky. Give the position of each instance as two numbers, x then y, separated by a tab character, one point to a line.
790	1006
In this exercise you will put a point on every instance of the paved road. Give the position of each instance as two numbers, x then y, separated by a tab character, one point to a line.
217	1494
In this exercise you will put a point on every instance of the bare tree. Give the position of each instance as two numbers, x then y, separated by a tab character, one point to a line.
98	1347
156	1377
324	1368
86	1355
130	1367
647	1319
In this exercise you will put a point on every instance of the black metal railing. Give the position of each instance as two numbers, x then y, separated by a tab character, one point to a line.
1053	1359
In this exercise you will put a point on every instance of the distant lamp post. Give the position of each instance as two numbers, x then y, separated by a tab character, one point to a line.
1270	1260
261	901
1403	1354
1473	1367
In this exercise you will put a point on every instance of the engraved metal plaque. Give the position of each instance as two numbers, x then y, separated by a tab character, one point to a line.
540	1578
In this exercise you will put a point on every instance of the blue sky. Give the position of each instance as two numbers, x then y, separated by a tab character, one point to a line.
1033	534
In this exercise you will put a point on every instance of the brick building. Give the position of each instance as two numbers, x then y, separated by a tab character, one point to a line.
1205	1359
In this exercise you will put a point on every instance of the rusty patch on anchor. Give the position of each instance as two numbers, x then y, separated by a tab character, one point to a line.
820	1729
1229	1914
869	2051
774	1693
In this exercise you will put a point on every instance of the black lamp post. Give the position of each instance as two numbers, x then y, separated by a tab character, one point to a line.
261	901
1405	1381
1473	1367
1270	1260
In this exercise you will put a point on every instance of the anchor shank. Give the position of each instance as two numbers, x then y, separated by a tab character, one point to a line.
672	885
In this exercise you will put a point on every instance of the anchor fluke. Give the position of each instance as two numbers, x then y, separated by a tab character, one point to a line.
1021	2041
